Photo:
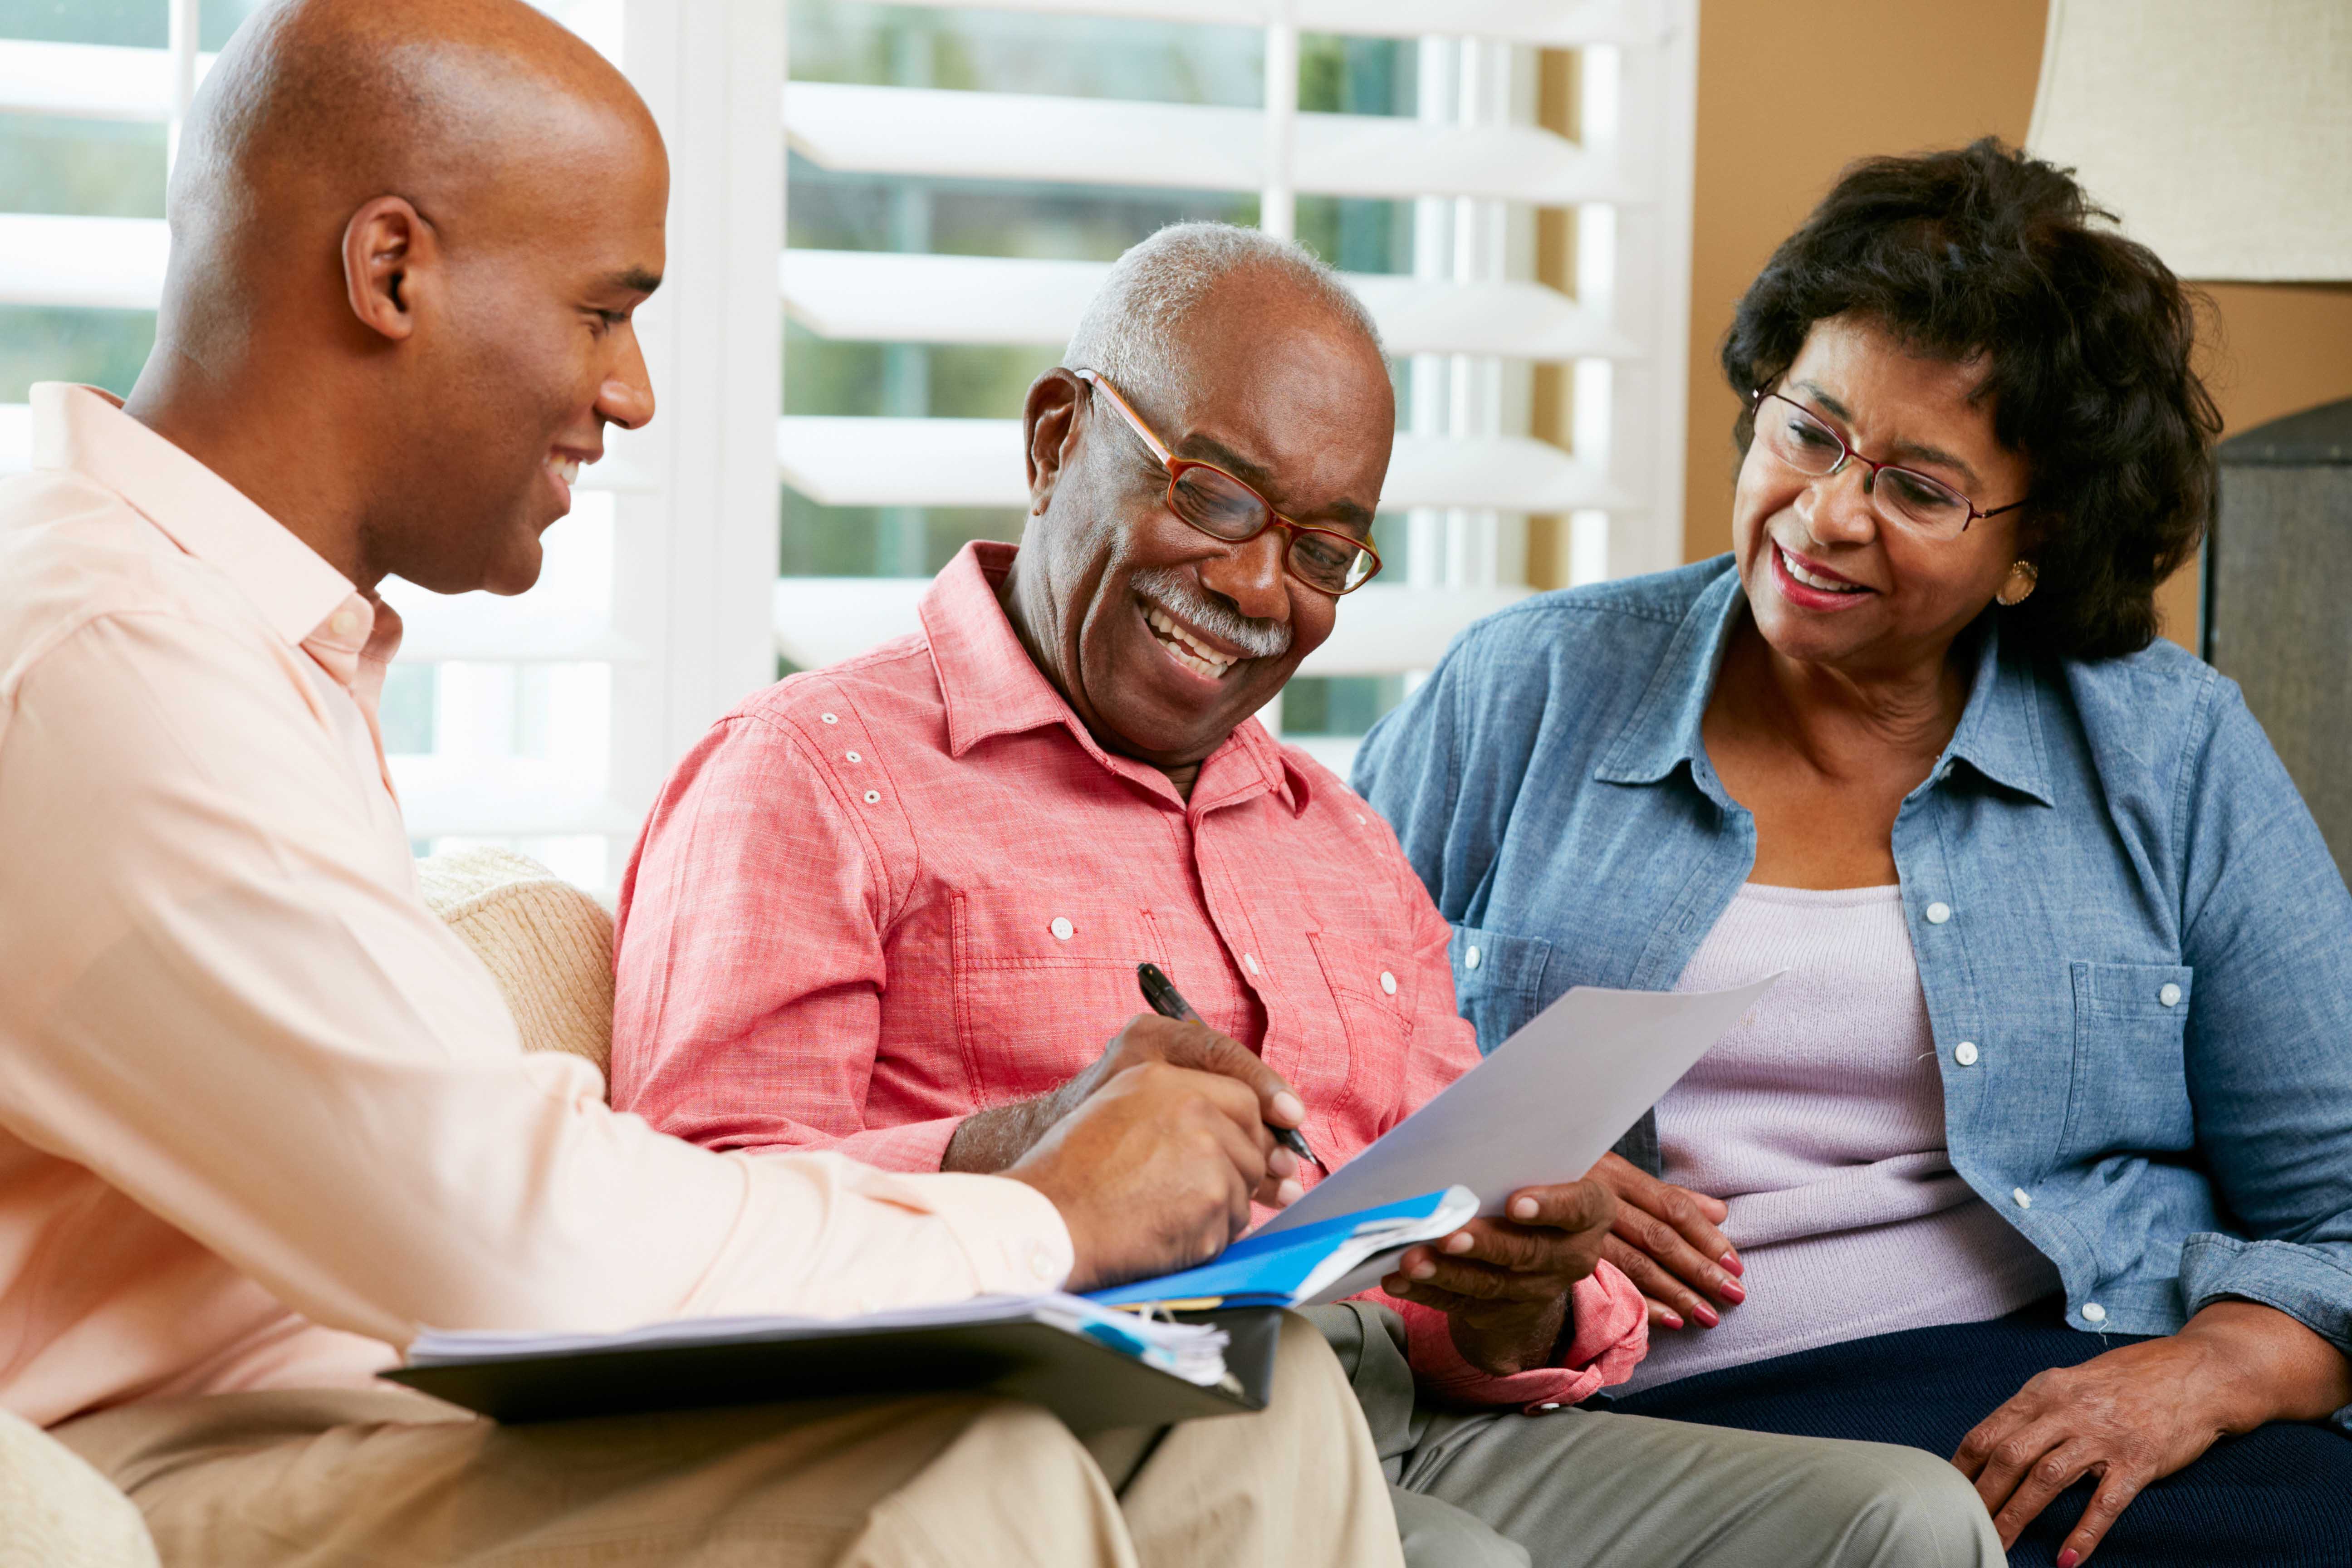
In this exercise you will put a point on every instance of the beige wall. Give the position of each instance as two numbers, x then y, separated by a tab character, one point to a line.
1788	93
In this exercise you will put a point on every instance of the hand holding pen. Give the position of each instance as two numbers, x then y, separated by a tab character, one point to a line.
1165	1001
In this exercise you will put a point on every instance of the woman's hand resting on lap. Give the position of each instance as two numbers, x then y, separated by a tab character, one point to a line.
1666	1242
2142	1411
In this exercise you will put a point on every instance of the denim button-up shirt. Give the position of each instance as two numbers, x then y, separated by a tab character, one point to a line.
2136	950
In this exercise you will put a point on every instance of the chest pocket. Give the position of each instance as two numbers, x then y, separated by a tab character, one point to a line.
2130	1084
1042	981
1497	980
1373	989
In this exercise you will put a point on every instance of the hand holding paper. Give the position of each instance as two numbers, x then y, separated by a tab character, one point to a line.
1503	1283
1529	1120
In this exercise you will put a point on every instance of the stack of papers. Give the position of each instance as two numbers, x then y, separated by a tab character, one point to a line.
1193	1352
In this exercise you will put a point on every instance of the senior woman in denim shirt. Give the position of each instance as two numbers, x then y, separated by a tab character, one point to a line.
2041	1153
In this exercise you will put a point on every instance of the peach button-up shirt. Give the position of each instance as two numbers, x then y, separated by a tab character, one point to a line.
262	1119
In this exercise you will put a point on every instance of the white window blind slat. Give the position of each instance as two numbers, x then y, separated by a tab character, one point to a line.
97	263
1548	23
894	297
94	81
944	134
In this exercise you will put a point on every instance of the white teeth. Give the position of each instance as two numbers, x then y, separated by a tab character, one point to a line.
1187	649
565	468
1814	580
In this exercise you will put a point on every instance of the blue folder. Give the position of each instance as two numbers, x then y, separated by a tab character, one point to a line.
1288	1268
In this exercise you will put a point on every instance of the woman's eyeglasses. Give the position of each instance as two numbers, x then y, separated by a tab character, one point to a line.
1223	508
1800	439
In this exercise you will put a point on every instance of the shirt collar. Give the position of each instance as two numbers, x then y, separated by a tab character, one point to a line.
991	687
84	431
2000	733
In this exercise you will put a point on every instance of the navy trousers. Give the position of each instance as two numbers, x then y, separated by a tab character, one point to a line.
2277	1497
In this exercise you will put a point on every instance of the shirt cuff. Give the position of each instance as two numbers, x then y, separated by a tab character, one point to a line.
1611	1336
2310	1284
916	1146
1014	1235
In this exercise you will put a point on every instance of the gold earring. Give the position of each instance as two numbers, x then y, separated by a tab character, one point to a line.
2024	578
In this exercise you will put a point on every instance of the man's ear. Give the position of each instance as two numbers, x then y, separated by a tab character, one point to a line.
1049	428
390	256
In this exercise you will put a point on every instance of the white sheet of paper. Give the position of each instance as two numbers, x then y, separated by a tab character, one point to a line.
1546	1104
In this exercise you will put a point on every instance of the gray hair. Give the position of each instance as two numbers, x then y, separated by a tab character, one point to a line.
1130	327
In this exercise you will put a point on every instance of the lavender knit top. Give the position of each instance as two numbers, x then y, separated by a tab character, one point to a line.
1821	1122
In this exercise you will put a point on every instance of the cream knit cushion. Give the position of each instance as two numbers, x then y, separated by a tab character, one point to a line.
58	1512
547	944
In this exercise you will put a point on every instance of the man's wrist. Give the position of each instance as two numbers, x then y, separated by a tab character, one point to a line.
990	1141
1501	1355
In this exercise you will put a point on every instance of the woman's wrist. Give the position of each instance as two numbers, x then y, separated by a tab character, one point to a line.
2260	1364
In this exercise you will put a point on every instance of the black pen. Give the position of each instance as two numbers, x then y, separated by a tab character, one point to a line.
1168	1003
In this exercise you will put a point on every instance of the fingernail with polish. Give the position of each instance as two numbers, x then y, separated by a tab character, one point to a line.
2068	1558
1670	1320
1730	1292
1730	1261
1705	1314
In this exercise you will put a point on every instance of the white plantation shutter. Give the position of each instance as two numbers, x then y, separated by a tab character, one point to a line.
549	721
1469	317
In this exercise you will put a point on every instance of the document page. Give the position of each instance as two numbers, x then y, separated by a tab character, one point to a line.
1546	1104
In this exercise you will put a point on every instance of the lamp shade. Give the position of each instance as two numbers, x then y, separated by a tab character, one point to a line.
2219	130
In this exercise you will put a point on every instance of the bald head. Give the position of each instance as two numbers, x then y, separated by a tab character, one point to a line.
408	237
477	112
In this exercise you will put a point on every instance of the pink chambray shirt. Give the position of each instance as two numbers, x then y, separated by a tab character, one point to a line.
879	897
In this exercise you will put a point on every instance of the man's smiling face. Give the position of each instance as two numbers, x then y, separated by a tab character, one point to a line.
1162	638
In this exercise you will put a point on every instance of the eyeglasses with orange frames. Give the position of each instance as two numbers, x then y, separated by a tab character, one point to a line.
1223	508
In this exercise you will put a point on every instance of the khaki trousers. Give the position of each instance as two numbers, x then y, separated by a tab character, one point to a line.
389	1477
1586	1488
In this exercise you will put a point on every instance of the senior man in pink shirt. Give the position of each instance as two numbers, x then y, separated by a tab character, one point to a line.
895	908
263	1118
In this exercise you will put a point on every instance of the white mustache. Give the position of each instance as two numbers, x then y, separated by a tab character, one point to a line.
1175	591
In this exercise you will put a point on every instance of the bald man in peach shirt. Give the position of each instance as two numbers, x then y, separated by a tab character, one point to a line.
262	1120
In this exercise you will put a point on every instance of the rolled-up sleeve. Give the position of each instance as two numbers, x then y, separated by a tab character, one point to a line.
1609	1335
2268	933
750	965
229	1004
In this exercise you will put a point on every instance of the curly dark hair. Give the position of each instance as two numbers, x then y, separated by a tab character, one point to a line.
2088	339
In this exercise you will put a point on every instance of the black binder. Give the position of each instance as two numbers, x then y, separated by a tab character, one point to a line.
1091	1386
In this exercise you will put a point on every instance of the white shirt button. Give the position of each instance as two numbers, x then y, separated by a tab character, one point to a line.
1388	983
1041	1261
830	717
874	797
2093	1313
1249	962
1547	1407
1062	929
853	757
1470	959
2170	997
1938	913
345	623
2020	1196
1964	1053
